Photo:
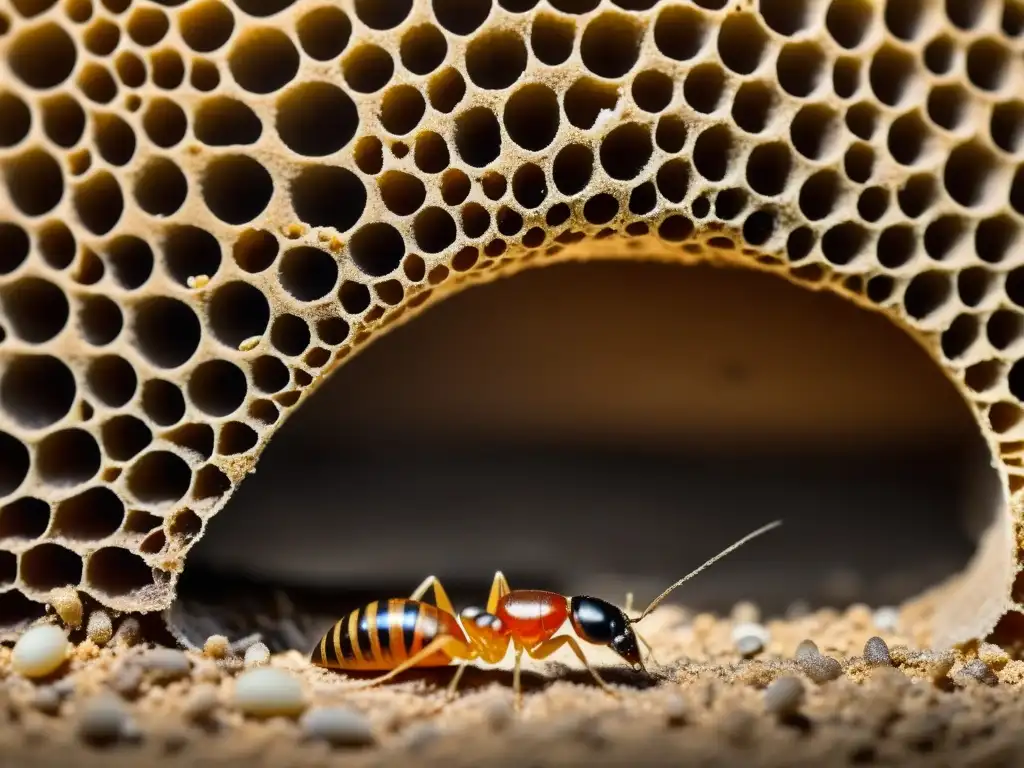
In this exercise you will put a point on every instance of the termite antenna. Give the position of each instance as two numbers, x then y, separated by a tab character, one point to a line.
716	558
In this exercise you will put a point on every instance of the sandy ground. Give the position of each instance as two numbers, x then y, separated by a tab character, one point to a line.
702	705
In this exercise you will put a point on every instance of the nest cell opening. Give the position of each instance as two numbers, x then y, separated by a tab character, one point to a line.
707	402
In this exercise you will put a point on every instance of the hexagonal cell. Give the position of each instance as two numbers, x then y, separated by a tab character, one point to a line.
37	391
25	518
47	566
116	572
159	477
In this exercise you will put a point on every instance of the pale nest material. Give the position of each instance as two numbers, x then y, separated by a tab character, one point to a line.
205	207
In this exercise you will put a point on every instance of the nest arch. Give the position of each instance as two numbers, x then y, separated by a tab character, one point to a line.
720	247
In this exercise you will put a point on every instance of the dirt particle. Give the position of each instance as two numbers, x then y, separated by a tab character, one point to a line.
886	618
590	730
939	664
128	632
784	696
103	721
68	605
99	628
131	732
976	671
749	645
249	344
757	674
421	735
993	655
738	726
901	654
257	655
205	671
807	649
175	740
676	710
820	669
750	638
40	651
126	679
921	730
47	700
499	713
231	665
891	681
216	647
163	665
201	703
338	726
876	653
269	692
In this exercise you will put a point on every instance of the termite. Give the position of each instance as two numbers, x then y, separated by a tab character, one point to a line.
399	634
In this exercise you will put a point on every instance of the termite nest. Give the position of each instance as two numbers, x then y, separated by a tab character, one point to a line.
207	207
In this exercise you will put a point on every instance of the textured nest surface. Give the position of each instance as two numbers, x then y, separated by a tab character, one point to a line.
704	704
206	206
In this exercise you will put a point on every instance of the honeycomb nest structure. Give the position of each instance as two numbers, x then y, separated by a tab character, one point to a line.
206	206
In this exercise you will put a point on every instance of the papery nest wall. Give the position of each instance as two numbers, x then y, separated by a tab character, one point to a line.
208	206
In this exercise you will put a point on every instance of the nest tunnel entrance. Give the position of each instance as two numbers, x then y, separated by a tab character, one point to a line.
605	426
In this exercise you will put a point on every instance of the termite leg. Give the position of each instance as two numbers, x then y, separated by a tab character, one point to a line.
517	688
628	609
450	645
650	650
455	680
546	648
440	596
499	588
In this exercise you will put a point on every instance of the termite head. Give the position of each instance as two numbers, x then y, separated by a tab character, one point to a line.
625	645
486	633
601	623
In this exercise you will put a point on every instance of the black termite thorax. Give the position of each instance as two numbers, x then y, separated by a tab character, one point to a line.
601	623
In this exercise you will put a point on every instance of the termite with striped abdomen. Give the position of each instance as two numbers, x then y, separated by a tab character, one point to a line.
399	634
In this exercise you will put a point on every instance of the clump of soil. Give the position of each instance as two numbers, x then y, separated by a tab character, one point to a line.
704	700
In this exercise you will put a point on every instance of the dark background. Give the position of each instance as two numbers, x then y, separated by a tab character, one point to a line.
606	427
